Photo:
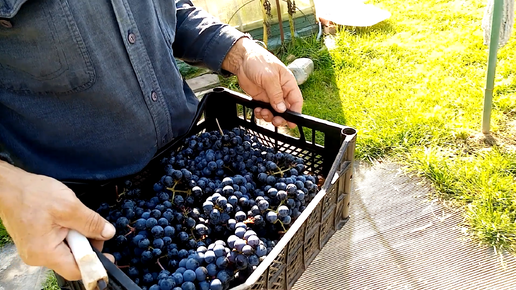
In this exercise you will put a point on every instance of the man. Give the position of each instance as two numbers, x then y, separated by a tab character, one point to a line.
89	90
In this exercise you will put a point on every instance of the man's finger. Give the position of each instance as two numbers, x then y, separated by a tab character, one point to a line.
278	121
110	257
294	97
275	93
266	115
258	113
63	262
99	245
87	222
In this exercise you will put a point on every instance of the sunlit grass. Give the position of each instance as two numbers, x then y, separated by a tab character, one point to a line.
413	87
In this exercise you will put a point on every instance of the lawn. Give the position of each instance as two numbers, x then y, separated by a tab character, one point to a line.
4	236
413	88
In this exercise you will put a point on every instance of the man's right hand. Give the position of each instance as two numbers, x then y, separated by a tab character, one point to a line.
38	211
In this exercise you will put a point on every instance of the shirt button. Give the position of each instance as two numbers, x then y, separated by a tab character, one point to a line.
131	38
154	96
6	23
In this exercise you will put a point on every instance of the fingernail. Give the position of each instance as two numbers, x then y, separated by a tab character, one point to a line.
282	107
109	231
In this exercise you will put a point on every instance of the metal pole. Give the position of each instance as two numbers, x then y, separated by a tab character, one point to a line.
491	64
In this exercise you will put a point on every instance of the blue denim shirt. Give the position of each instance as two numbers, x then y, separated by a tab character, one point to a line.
91	89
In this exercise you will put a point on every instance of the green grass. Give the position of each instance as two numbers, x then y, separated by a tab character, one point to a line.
51	282
413	88
4	236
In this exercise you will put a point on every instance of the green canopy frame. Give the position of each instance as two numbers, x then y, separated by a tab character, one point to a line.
491	64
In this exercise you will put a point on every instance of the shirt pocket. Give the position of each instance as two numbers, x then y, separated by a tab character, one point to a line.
166	16
41	49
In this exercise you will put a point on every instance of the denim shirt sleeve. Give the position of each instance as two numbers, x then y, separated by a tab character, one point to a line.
201	39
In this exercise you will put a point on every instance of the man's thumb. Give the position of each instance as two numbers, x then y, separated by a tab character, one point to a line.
89	223
276	98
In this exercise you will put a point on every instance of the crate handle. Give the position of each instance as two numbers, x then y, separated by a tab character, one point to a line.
301	132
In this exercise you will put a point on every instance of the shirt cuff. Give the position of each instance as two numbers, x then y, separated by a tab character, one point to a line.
221	44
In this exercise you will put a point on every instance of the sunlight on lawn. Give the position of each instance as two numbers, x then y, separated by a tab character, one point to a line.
413	86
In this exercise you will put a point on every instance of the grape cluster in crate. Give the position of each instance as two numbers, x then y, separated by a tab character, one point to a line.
224	201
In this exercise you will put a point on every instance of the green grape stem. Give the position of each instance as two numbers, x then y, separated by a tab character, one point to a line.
228	168
174	191
281	171
278	221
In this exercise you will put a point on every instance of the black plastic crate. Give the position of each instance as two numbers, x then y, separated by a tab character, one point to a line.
325	214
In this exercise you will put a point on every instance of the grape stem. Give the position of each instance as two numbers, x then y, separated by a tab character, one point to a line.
174	191
281	171
227	167
118	196
131	230
218	125
284	229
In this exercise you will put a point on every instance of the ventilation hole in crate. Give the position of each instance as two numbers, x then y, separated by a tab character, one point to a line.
277	269
289	149
319	137
313	220
295	268
278	284
278	264
261	283
265	140
329	200
311	247
340	212
328	226
308	134
248	114
296	242
240	110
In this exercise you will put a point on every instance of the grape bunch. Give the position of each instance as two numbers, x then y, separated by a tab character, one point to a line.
223	202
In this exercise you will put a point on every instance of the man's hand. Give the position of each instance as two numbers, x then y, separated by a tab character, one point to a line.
265	78
37	212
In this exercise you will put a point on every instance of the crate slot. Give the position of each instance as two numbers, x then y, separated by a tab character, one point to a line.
277	271
261	283
327	227
294	266
329	200
311	247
